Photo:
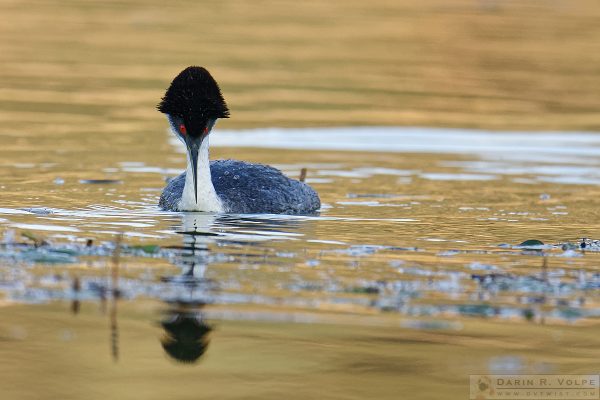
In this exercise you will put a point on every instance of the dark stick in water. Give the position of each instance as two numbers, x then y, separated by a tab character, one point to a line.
76	286
114	328
302	175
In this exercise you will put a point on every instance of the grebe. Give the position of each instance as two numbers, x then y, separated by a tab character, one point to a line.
193	103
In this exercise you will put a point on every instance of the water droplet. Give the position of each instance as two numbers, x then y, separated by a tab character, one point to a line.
226	173
236	177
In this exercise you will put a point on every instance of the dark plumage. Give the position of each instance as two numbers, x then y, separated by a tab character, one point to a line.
194	96
246	188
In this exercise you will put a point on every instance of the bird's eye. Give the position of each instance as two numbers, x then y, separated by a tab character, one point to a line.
182	129
205	130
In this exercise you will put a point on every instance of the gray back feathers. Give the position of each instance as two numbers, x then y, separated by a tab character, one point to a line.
246	188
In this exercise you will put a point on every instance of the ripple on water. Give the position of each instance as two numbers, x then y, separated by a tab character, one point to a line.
394	234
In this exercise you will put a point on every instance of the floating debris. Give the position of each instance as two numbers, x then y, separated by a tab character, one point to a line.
532	243
481	288
37	240
589	244
148	249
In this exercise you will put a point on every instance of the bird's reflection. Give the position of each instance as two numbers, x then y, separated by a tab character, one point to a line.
185	337
186	332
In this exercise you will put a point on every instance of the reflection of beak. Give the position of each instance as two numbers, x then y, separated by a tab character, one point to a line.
193	146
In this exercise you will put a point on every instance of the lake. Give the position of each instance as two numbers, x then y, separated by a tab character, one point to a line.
440	251
410	278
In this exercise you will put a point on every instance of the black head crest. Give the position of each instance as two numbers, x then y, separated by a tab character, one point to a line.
194	94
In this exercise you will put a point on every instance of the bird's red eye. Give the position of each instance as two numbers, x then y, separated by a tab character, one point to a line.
205	130
182	129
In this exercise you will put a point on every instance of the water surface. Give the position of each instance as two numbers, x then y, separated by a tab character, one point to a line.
410	278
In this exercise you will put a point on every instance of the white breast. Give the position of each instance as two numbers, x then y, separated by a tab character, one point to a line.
208	200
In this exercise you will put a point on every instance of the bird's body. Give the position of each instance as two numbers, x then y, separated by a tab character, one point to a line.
246	188
193	103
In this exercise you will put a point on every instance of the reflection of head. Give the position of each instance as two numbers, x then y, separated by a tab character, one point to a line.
185	337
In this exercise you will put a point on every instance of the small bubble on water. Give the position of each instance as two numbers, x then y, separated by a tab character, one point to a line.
226	173
236	177
59	181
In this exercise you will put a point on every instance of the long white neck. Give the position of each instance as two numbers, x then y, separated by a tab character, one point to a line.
208	200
